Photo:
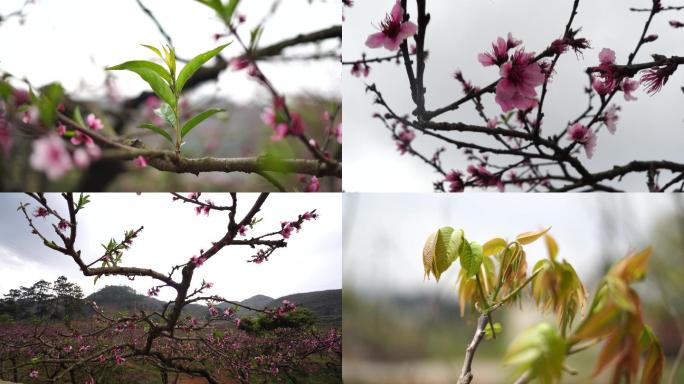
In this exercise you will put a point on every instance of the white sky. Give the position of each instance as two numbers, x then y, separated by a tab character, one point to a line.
650	129
312	260
384	234
72	41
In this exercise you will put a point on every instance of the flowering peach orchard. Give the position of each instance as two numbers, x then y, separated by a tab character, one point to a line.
280	344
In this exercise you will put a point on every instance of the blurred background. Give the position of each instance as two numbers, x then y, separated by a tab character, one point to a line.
400	328
458	32
72	42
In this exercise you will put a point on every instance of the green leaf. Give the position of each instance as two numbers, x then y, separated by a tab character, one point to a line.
471	257
170	59
488	331
494	246
551	246
157	130
255	36
229	9
530	237
193	65
137	65
192	123
158	83
78	117
166	113
153	49
429	253
446	242
539	351
213	4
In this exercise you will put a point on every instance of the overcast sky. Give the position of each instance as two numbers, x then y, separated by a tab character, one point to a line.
72	41
312	260
385	233
650	129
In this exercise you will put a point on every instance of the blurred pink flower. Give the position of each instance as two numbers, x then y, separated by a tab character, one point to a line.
140	162
606	81
51	156
94	123
313	186
610	118
5	136
629	86
393	31
583	135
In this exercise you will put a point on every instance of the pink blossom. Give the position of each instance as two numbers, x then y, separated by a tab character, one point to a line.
213	311
313	186
238	321
404	139
30	116
629	86
94	123
606	81
41	212
359	69
393	31
286	229
676	24
610	118
194	322
80	138
338	133
198	261
493	122
51	156
656	78
242	231
583	135
154	291
499	54
309	216
68	348
455	180
240	63
140	162
33	374
120	360
485	178
519	77
81	158
281	127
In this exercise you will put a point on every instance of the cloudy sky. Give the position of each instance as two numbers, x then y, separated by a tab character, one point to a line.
74	40
385	233
173	233
650	129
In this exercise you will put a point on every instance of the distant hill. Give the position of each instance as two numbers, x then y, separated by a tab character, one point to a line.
117	298
327	305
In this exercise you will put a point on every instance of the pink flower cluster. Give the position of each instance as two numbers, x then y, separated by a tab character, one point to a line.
274	118
455	180
404	139
484	178
393	30
608	79
583	135
520	74
198	261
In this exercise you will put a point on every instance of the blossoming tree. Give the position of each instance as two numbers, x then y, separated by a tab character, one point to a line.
517	146
495	275
150	130
280	343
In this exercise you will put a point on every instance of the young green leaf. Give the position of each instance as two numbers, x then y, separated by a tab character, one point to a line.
229	10
551	246
488	331
192	123
78	117
493	246
157	130
158	84
166	113
442	261
146	65
530	237
471	257
193	65
153	49
429	253
539	351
